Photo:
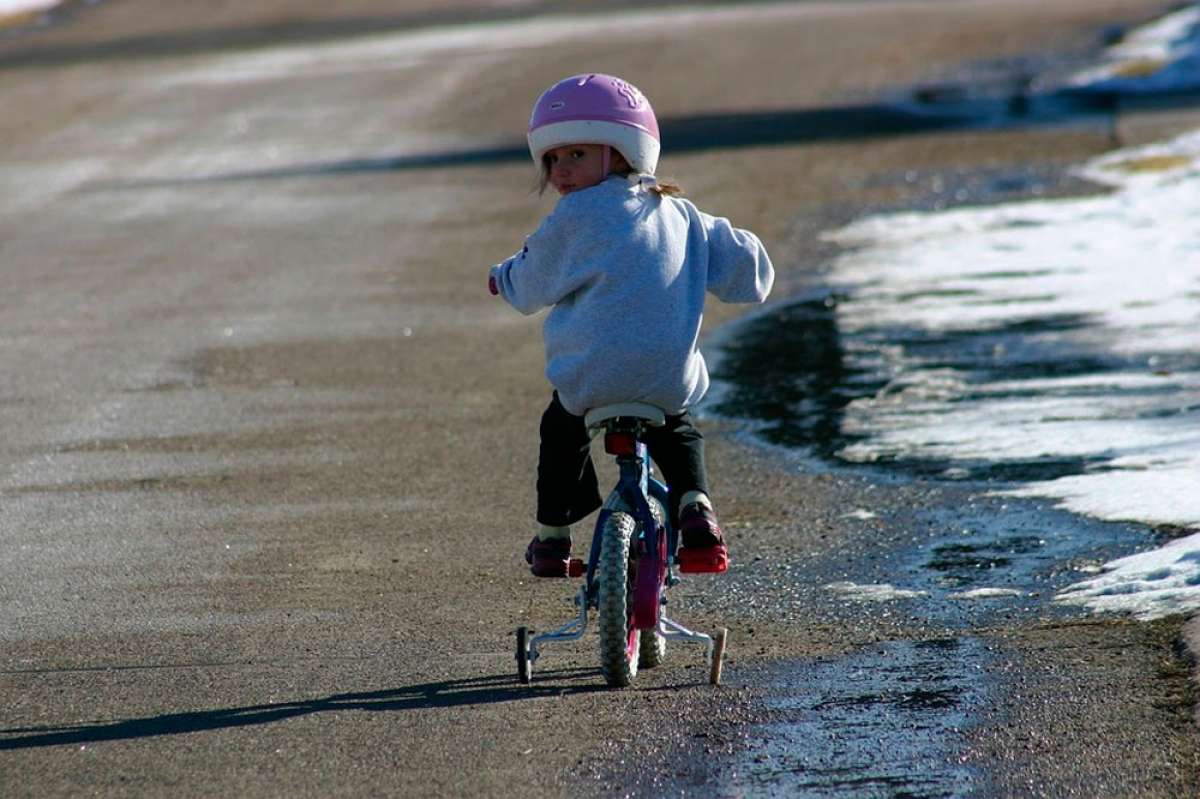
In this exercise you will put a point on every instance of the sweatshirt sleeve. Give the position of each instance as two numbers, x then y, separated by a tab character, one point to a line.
541	273
739	269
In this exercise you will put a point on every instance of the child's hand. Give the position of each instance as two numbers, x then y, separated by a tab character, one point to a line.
492	287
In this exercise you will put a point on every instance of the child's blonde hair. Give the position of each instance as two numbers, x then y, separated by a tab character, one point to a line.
663	188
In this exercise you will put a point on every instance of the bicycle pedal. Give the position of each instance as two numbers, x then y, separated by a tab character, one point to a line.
709	560
575	567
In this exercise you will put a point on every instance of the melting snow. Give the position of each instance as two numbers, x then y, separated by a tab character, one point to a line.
1111	280
12	8
860	513
1161	56
986	593
1148	585
873	593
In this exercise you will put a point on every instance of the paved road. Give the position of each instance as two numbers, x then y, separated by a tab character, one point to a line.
267	451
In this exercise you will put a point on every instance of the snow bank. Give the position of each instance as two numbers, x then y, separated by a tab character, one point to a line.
1147	585
1091	310
14	8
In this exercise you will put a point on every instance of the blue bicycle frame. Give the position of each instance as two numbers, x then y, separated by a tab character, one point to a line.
652	553
634	485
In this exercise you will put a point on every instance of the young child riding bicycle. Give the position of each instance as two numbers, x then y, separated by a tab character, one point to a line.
625	263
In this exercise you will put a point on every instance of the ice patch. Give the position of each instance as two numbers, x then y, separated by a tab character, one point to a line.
1049	282
1137	488
986	593
860	513
1161	56
15	8
1148	585
873	593
1056	341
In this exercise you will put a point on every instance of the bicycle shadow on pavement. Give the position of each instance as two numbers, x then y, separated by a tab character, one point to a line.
448	693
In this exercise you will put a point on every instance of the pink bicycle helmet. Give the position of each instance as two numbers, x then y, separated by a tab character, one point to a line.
596	109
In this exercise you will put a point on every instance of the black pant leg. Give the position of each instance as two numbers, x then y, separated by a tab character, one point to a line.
567	488
677	448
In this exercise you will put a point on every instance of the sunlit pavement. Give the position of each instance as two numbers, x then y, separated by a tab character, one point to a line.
268	443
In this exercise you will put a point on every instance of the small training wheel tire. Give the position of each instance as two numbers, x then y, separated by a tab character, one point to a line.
523	655
718	656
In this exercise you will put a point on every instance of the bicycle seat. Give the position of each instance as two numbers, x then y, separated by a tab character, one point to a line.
652	415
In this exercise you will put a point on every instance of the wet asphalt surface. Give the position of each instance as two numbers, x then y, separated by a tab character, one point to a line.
259	429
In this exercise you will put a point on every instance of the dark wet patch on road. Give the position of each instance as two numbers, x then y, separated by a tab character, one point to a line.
884	721
978	561
939	189
943	560
896	715
787	372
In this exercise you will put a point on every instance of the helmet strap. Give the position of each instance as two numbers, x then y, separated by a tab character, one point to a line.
605	161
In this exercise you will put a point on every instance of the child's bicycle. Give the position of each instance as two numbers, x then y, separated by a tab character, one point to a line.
629	566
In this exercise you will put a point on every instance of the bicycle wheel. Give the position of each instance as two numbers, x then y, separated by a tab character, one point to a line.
619	639
653	649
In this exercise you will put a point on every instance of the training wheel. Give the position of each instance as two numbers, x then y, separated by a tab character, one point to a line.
718	656
523	655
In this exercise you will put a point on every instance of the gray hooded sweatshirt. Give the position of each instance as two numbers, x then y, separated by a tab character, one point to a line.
626	272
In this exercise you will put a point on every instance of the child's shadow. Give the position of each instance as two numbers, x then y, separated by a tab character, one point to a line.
448	693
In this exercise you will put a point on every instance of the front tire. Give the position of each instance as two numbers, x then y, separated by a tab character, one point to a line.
620	641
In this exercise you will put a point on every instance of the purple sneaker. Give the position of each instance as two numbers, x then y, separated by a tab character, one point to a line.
548	558
698	528
703	550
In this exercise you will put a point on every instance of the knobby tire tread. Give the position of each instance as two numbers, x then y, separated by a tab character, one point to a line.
652	650
613	600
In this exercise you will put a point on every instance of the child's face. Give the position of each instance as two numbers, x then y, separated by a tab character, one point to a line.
575	166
